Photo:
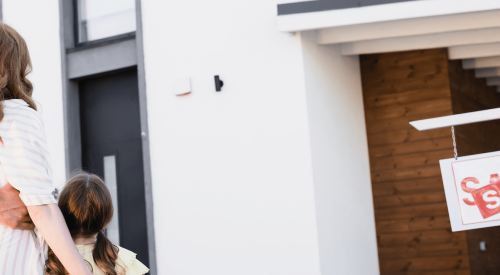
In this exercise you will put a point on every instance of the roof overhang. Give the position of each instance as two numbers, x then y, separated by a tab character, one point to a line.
470	29
380	13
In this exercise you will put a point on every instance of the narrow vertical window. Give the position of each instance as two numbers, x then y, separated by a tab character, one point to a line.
113	229
98	19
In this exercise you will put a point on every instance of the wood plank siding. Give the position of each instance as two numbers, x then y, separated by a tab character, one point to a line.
470	94
413	229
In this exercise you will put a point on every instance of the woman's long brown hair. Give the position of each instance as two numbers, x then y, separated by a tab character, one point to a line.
87	207
15	65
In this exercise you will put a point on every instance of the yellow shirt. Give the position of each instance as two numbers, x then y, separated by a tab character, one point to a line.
126	263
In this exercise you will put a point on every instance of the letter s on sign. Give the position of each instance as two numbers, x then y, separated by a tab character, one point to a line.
494	198
469	190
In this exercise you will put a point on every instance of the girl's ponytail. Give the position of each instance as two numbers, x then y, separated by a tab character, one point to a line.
105	254
53	266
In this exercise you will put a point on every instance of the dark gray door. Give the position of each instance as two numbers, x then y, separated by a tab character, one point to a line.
110	126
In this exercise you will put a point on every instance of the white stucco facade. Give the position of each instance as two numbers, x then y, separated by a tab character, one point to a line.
231	170
339	150
255	179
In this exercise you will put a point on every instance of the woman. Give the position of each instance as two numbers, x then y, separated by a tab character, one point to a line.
25	165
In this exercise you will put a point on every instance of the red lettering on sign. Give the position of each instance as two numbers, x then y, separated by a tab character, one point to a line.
469	190
488	200
494	178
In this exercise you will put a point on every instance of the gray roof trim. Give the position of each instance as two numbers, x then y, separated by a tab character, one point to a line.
102	59
325	5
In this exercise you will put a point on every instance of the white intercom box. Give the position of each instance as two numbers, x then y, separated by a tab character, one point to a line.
182	86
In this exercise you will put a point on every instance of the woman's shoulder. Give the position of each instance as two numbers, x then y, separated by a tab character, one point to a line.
128	262
16	110
15	104
15	107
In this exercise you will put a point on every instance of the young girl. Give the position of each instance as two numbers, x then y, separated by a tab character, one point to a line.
86	205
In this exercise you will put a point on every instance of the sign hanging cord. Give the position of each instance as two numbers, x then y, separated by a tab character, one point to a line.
454	142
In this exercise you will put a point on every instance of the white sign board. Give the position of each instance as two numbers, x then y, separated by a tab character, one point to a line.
472	188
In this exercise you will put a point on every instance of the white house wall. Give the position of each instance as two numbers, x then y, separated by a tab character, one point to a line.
344	201
44	45
251	180
232	180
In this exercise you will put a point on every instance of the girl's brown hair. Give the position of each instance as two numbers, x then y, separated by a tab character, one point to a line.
15	65
87	207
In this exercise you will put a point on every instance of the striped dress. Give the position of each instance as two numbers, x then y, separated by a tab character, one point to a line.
25	164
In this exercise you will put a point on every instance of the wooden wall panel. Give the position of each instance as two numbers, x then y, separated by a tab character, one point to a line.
413	228
470	94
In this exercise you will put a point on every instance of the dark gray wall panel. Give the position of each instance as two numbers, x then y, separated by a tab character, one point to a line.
312	6
324	5
72	138
143	106
102	59
364	3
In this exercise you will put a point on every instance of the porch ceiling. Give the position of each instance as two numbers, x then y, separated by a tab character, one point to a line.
470	29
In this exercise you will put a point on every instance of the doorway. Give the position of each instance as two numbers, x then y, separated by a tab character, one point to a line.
112	148
412	222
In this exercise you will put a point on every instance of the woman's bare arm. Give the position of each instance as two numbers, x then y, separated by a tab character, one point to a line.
50	222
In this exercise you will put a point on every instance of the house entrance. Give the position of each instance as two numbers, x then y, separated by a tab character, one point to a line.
413	229
112	149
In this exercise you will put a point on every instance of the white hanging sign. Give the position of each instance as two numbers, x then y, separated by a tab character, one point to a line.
472	187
